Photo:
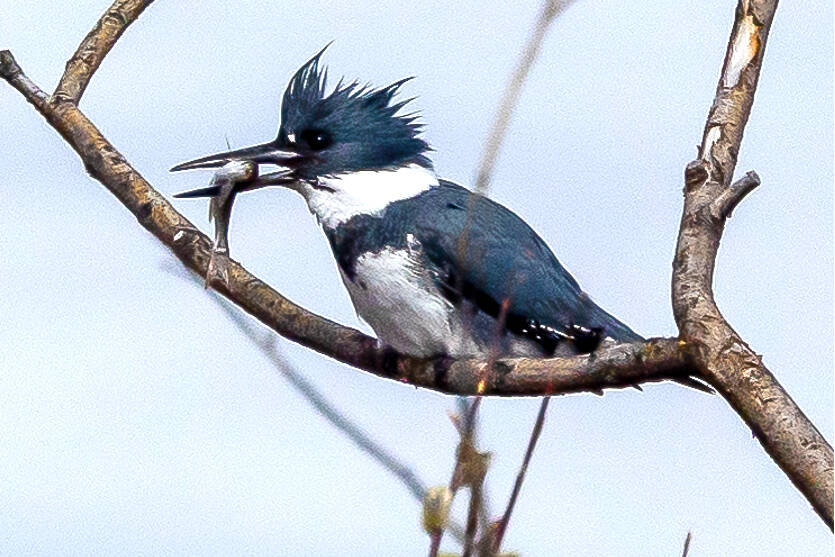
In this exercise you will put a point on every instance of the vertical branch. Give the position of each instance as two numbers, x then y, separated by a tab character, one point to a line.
472	517
434	543
686	548
722	356
469	470
510	99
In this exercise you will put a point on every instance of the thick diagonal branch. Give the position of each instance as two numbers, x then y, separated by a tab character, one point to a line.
724	359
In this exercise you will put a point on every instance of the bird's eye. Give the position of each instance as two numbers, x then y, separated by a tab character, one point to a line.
316	139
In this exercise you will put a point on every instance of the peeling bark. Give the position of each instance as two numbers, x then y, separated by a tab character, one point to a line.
723	358
708	349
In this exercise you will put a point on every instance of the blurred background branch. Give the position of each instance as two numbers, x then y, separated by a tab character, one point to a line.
267	343
479	512
106	164
513	90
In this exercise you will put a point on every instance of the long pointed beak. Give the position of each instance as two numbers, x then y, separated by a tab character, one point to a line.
280	178
266	153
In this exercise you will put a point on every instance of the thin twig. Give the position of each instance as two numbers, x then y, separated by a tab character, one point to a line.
469	408
686	549
463	472
510	99
549	12
12	73
478	512
469	470
520	476
476	490
434	543
729	198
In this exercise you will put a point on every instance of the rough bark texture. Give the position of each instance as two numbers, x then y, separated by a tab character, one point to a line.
709	348
723	358
95	46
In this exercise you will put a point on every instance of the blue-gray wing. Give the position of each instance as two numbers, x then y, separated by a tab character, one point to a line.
485	252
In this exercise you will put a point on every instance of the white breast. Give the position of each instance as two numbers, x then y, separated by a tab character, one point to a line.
400	303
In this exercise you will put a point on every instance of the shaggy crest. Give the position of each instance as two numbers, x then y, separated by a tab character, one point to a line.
357	115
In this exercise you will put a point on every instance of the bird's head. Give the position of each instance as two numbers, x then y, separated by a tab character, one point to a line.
351	128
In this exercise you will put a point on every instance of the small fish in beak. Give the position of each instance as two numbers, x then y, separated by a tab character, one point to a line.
237	171
224	186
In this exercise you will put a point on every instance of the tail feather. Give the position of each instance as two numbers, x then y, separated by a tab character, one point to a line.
614	329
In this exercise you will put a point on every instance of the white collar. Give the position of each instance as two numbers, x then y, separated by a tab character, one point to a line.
336	198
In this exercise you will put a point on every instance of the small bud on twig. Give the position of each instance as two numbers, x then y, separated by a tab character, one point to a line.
436	505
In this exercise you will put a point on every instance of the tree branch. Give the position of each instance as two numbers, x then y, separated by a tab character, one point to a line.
470	469
501	527
12	73
686	549
724	359
729	198
710	349
614	366
95	46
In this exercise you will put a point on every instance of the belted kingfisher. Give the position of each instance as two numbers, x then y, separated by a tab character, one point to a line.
433	268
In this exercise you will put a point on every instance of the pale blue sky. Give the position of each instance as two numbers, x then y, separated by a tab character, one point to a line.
135	419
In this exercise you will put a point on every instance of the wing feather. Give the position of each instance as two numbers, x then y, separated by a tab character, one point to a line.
496	255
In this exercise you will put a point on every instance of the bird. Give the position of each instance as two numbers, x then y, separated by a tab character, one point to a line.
435	269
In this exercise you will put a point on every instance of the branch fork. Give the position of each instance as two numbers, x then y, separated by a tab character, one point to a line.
711	350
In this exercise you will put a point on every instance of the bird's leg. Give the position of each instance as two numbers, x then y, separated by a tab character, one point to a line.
229	178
